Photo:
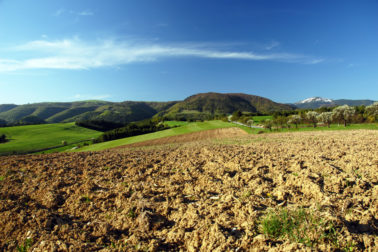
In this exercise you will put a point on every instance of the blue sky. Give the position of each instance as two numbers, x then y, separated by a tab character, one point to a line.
160	50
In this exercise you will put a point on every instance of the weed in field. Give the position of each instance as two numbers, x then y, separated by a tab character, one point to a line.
247	194
2	178
27	244
131	213
85	199
357	173
300	225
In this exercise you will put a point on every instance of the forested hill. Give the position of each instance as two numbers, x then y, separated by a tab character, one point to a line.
54	112
199	106
218	103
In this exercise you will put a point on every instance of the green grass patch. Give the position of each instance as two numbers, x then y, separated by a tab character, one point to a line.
175	123
31	138
187	128
258	119
301	226
25	247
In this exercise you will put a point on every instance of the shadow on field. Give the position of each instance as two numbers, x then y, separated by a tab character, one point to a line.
356	228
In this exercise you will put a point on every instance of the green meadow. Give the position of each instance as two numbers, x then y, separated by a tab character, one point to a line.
32	138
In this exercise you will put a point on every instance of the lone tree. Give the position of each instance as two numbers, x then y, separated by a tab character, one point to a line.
236	115
312	117
372	111
295	119
267	124
3	138
281	121
250	122
343	113
325	117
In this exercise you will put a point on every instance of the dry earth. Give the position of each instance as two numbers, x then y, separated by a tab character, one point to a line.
191	137
199	196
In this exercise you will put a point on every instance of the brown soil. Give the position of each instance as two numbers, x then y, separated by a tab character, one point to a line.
198	196
191	137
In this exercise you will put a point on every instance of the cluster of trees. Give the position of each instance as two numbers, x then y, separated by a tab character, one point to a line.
341	114
132	129
100	125
3	138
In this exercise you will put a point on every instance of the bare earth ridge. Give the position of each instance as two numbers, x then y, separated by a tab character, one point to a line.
198	196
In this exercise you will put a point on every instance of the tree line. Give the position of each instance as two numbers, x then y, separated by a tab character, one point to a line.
131	129
342	114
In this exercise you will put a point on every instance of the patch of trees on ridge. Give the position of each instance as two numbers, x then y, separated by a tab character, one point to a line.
131	129
99	125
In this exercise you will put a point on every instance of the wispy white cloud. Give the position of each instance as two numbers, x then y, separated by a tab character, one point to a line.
86	13
62	11
59	12
272	45
315	61
352	65
77	54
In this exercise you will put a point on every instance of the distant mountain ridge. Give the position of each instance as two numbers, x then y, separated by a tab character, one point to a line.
54	112
221	103
317	102
198	106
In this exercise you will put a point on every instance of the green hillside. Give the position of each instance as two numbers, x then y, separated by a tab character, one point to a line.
6	107
197	107
56	112
186	128
30	138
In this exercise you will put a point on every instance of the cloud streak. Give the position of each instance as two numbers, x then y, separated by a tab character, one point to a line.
62	11
77	54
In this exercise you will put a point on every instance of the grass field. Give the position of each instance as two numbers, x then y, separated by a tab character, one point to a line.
258	119
175	123
186	128
30	138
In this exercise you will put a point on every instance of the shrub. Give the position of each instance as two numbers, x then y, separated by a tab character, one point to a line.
267	124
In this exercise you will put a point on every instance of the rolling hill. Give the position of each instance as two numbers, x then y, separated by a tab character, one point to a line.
206	104
121	112
199	106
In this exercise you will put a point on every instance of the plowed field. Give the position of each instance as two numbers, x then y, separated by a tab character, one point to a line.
199	196
191	137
